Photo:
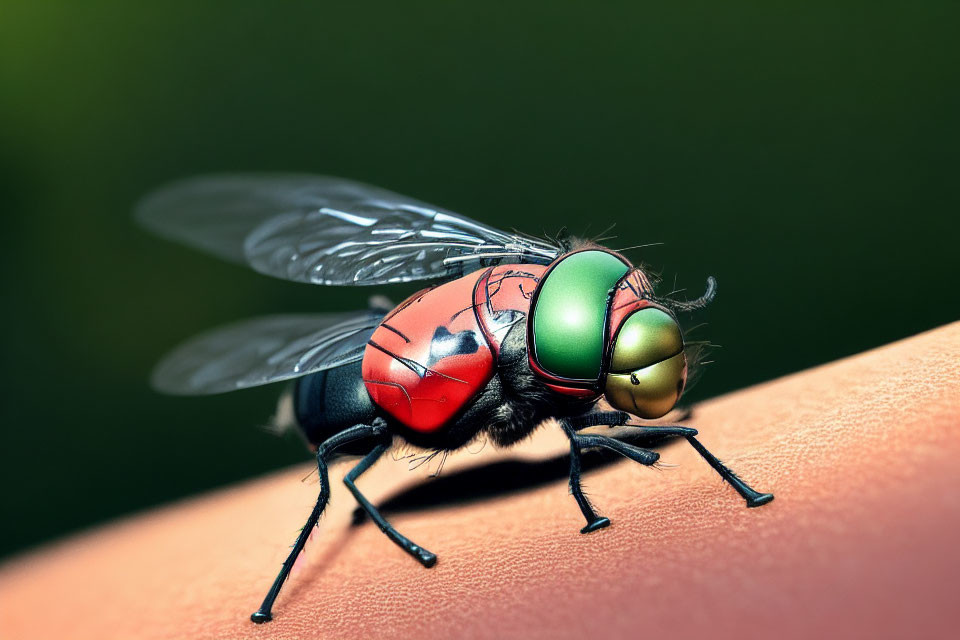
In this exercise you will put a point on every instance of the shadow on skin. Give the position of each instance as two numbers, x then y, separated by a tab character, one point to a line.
500	478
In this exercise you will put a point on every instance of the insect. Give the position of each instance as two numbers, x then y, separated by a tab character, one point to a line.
513	331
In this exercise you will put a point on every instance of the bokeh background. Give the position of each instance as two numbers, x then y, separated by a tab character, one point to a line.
806	154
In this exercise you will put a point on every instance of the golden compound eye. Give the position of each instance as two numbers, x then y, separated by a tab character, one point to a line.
646	337
649	392
648	368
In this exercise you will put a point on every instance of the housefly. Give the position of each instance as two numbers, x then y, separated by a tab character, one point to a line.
512	331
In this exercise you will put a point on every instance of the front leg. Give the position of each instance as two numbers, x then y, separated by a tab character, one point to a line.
754	498
594	521
578	442
622	418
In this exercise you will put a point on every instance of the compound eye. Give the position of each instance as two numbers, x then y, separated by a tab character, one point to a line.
649	392
569	313
646	337
648	369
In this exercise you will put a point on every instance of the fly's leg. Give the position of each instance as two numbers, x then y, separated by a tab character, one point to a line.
426	558
594	418
580	441
753	498
359	432
621	418
614	418
594	521
643	456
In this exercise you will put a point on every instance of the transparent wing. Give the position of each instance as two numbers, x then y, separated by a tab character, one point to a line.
264	350
325	230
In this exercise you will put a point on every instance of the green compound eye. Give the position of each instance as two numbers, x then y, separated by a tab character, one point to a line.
571	307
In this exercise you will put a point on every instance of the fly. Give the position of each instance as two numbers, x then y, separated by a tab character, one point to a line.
513	332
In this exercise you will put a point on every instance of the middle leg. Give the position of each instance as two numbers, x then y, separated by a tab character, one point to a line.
426	558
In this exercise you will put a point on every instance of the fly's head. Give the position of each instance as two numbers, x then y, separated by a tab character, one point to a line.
648	368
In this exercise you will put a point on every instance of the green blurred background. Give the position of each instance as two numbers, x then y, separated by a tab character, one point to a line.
805	154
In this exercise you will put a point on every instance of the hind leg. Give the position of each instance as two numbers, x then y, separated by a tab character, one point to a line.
324	452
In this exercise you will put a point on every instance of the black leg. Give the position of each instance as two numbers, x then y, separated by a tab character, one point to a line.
582	441
622	419
594	521
425	557
579	441
665	431
359	432
753	498
594	418
643	456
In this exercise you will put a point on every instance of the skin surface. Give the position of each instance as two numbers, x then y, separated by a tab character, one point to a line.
862	456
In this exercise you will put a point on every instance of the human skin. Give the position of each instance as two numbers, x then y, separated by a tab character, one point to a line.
861	541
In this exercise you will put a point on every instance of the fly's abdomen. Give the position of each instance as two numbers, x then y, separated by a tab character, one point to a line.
329	401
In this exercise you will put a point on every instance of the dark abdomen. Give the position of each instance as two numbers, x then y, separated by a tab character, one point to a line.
330	401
